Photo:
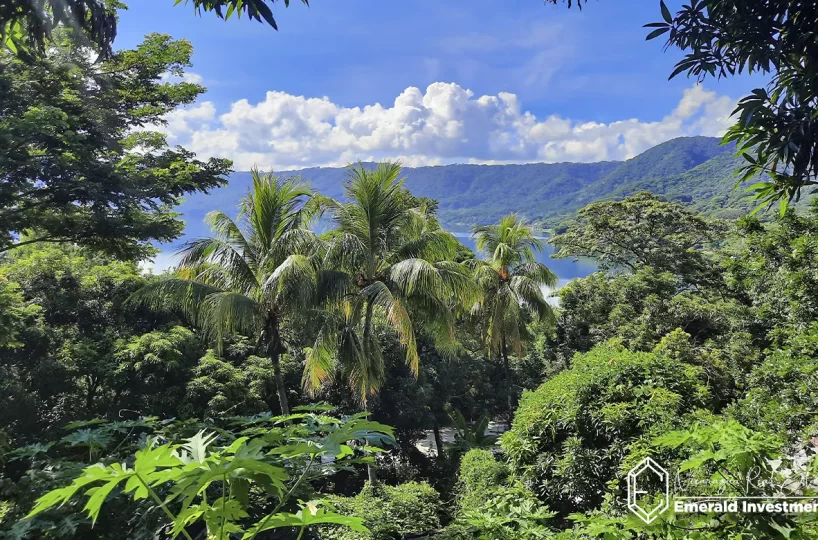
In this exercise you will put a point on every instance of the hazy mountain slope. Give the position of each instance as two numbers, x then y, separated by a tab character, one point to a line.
695	169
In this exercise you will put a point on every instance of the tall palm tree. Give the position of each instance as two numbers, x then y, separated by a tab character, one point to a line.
386	258
252	276
511	282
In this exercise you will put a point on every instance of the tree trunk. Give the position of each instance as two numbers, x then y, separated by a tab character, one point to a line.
372	473
280	389
438	441
91	394
275	348
507	375
371	468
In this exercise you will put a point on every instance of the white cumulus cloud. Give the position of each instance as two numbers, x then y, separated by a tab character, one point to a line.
445	124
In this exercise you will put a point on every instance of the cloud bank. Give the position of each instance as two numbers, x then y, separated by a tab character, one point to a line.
444	124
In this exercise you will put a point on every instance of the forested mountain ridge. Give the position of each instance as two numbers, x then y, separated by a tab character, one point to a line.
689	169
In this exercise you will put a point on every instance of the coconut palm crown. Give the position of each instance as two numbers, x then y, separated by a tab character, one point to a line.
254	274
387	263
511	282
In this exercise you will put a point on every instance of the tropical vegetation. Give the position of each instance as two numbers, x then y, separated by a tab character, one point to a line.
311	339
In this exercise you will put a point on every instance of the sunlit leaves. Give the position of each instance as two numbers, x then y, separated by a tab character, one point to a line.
276	459
90	119
641	230
26	25
776	128
310	515
387	262
257	10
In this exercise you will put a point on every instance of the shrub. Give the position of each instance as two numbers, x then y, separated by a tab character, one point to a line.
494	505
570	435
782	396
247	476
388	511
480	474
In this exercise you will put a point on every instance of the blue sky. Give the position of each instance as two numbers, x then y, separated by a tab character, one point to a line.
559	84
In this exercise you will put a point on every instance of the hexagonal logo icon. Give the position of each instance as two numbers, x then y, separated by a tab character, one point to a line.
648	490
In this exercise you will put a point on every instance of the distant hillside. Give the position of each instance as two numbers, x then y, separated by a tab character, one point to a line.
697	170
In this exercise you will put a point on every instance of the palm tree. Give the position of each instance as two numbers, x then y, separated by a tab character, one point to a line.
252	276
386	257
511	282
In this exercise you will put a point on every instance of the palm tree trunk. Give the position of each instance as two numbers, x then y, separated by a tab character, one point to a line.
371	468
507	375
372	473
275	348
280	388
438	441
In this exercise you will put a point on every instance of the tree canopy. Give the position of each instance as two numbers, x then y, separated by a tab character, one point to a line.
388	258
82	161
27	25
251	276
639	231
510	281
143	407
776	128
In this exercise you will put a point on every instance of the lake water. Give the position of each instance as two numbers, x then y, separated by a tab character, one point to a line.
566	269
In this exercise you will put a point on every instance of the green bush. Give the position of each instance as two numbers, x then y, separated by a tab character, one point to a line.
480	475
388	511
782	396
570	435
155	481
493	505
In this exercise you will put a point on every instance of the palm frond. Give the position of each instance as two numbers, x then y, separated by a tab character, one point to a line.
507	243
540	273
418	276
378	294
228	313
459	280
334	286
317	206
320	362
227	230
272	207
377	203
434	245
182	297
346	251
485	276
233	272
363	362
530	294
293	282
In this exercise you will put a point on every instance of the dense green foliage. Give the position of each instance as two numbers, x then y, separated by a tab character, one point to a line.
388	512
251	277
76	164
666	237
141	406
570	436
27	25
776	125
241	477
387	256
642	360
